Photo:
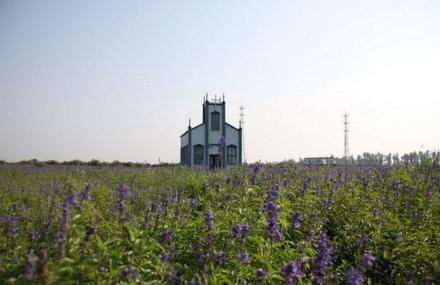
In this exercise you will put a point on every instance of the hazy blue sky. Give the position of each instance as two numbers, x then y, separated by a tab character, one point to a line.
117	80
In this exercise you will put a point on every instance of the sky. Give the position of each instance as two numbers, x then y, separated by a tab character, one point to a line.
118	80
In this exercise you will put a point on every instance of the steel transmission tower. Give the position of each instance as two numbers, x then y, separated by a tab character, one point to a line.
242	131
346	147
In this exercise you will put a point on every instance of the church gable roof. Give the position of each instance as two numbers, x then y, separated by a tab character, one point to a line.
193	128
232	126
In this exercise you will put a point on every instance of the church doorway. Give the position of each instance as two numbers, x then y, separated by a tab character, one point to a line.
214	161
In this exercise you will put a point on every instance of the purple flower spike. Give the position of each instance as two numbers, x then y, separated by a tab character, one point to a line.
292	272
323	258
221	144
11	223
367	260
129	273
261	273
69	202
209	224
375	212
193	203
85	195
165	237
239	231
271	207
35	236
158	209
164	258
243	257
221	259
123	192
353	277
59	236
254	175
29	266
174	279
273	192
316	280
209	221
296	220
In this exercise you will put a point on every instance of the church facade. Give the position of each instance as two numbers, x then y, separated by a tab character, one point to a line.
214	143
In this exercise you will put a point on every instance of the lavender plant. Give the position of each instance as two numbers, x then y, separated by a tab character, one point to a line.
319	225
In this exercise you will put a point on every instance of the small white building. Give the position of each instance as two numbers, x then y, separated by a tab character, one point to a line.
319	161
214	143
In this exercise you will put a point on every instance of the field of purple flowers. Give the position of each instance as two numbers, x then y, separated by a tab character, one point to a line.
259	224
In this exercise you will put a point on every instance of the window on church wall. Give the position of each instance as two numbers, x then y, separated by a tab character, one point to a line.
232	154
215	121
198	154
184	155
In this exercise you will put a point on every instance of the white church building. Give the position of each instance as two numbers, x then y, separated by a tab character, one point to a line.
214	143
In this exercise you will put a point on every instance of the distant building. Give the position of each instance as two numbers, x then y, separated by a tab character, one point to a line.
214	143
319	161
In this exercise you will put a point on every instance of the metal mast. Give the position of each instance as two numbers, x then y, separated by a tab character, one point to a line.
242	131
346	147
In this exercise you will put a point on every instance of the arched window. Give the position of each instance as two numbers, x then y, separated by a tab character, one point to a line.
215	121
232	154
198	154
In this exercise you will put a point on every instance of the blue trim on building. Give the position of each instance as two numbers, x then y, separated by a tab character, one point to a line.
224	162
189	147
206	122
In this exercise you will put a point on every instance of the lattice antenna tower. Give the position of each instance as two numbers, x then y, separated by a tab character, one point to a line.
242	131
346	146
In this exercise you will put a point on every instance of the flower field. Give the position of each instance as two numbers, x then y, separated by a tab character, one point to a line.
256	224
